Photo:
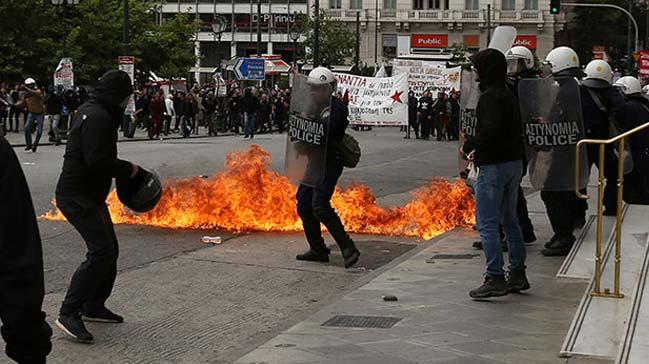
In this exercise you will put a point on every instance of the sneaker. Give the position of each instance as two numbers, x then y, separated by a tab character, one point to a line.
350	256
314	256
101	315
74	328
28	147
517	281
478	245
492	287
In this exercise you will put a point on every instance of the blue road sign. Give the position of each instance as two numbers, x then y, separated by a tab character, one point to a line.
250	69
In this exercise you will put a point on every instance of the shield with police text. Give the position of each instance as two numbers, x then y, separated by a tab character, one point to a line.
308	126
552	124
470	93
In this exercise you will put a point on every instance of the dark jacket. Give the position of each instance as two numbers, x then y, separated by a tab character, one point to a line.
425	106
338	122
498	136
21	265
596	120
90	161
412	109
54	104
249	103
634	113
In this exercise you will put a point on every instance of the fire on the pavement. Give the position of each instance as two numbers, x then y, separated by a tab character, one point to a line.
249	196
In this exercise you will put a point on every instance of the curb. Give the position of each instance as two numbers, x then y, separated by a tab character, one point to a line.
139	139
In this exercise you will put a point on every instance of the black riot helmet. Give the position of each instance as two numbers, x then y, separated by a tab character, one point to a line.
140	193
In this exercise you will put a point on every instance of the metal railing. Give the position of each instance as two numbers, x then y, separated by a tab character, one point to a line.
597	291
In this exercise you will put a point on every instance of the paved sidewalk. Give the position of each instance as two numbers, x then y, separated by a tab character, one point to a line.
438	322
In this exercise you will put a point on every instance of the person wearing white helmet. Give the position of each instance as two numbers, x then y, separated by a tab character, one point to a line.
599	102
564	62
634	113
520	61
36	117
314	203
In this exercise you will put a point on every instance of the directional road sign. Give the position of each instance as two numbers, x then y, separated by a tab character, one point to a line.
250	69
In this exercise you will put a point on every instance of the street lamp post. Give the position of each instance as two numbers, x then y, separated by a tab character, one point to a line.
218	27
295	35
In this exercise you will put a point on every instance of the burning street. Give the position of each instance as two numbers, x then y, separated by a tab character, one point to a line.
185	301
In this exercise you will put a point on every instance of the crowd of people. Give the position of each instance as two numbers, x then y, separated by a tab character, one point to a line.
249	111
438	118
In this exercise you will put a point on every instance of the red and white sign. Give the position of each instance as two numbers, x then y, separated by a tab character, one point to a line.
64	73
644	62
528	41
429	41
127	64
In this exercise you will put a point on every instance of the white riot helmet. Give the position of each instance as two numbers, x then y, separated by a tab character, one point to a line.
564	61
598	74
519	59
645	89
629	85
30	81
321	75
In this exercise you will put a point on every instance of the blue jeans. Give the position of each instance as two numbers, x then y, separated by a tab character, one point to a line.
34	121
496	196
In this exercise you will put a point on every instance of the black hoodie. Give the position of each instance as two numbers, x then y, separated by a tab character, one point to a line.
90	161
498	136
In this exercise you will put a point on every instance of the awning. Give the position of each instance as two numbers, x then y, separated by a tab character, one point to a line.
275	66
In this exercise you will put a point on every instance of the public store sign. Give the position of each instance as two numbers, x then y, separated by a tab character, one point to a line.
644	62
528	41
426	41
127	64
64	73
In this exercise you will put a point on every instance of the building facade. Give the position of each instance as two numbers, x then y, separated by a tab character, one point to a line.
388	28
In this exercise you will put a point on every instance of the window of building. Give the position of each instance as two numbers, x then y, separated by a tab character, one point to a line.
509	5
390	4
433	4
418	4
355	4
471	4
335	4
389	45
531	4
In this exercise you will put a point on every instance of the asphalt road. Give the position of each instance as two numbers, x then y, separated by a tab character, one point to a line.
255	273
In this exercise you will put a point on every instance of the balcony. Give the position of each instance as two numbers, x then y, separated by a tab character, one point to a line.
347	14
388	13
443	16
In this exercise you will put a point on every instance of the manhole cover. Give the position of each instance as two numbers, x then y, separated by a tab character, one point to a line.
452	256
375	322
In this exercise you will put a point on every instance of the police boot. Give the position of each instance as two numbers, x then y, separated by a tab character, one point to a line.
349	252
313	255
561	247
492	287
517	281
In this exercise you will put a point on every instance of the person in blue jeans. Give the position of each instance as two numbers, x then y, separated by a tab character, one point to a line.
36	118
497	150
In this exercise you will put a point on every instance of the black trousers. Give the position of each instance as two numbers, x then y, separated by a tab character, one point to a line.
167	125
426	125
523	216
562	209
314	207
610	173
636	183
93	281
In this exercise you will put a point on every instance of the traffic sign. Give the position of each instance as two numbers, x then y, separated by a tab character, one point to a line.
253	69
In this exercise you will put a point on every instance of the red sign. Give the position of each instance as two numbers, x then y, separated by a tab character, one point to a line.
599	49
472	41
644	62
528	41
429	41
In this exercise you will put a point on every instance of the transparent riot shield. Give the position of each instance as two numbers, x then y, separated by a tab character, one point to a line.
552	125
469	95
503	38
308	127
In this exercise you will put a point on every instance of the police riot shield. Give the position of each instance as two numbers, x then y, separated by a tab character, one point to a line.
503	38
552	124
308	126
469	95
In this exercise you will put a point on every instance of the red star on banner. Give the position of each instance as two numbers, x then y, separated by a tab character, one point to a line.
396	97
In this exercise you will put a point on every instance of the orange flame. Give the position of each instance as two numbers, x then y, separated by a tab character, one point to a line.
249	196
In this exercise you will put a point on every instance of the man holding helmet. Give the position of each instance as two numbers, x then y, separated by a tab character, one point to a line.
634	113
315	191
90	163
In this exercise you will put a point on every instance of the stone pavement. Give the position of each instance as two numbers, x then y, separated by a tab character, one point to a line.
438	322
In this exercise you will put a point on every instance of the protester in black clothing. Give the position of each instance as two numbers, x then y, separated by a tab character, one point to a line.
90	163
178	107
412	113
249	106
53	110
454	120
16	109
425	115
440	118
24	329
264	113
279	111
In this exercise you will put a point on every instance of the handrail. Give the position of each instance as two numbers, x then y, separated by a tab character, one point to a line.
600	199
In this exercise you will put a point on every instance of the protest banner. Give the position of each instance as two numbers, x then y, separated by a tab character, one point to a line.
64	74
428	76
375	100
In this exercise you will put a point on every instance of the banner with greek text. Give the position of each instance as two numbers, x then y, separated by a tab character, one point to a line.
64	74
428	76
375	100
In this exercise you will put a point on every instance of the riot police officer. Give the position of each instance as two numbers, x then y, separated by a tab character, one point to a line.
600	101
634	113
314	202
